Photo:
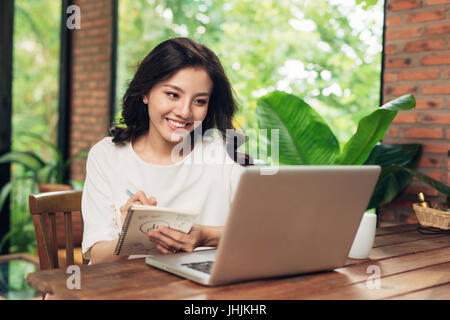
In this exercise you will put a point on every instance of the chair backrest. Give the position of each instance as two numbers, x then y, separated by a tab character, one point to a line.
50	210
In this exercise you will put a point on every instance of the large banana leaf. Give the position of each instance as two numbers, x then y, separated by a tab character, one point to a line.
4	193
48	144
439	186
29	160
371	130
304	137
54	169
391	183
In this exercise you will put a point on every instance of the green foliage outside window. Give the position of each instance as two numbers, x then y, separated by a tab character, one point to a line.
326	51
36	44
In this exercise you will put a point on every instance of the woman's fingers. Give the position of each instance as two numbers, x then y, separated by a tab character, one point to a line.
140	196
162	249
173	240
152	201
168	242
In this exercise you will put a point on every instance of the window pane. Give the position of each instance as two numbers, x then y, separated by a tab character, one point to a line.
35	102
326	52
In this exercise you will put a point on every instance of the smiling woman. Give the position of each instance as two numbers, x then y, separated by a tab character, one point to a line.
178	93
171	108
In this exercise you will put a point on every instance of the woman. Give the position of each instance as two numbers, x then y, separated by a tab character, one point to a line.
163	154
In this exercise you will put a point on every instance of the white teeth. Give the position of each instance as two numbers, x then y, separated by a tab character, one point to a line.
177	124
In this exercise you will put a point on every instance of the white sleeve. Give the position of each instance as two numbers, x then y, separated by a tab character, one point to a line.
100	215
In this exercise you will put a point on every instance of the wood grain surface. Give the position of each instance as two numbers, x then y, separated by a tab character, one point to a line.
403	264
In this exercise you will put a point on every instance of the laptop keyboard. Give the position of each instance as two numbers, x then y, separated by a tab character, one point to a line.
204	266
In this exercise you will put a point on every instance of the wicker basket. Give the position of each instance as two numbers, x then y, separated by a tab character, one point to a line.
430	217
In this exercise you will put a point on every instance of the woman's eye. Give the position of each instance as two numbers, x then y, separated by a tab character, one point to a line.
200	101
172	94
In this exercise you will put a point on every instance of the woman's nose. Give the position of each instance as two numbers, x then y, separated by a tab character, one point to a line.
184	110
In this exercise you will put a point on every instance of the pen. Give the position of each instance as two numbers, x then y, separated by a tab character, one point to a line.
129	193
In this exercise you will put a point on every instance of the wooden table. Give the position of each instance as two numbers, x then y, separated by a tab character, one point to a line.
410	265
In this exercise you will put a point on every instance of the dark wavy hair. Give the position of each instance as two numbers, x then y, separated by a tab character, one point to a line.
160	64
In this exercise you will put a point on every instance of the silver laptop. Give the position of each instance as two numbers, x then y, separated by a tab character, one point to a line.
302	219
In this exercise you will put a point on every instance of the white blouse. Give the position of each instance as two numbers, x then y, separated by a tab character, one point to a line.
204	181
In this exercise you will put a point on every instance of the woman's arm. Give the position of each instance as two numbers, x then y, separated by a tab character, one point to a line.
103	251
211	236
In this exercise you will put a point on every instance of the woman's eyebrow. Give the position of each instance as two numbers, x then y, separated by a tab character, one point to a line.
182	91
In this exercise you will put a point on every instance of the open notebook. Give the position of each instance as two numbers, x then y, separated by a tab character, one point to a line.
143	218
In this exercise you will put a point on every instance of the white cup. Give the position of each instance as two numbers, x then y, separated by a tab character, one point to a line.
363	242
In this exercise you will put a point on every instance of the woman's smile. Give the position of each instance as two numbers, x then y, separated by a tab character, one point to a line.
176	124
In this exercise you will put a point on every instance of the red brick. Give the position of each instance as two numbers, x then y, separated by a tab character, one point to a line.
406	118
415	188
428	45
398	63
428	74
436	118
428	104
447	74
402	203
437	175
448	138
429	162
402	5
422	16
432	147
393	132
435	59
98	76
436	88
400	90
393	21
422	133
434	2
390	49
442	28
390	77
411	219
403	33
91	50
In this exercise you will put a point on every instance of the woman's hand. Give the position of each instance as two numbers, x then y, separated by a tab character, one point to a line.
171	241
138	198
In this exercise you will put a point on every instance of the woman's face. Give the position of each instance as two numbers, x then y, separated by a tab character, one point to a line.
176	103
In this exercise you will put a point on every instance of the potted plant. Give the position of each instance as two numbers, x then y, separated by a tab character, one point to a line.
306	139
34	175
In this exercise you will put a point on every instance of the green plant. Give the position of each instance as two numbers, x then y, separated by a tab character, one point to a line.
30	169
306	139
392	181
35	168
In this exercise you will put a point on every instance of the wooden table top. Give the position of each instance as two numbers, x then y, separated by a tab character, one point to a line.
411	265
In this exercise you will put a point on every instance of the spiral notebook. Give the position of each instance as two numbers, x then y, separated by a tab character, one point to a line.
143	218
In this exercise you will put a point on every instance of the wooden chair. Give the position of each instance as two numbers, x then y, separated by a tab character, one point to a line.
59	225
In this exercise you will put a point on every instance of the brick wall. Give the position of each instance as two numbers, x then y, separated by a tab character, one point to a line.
91	78
417	61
